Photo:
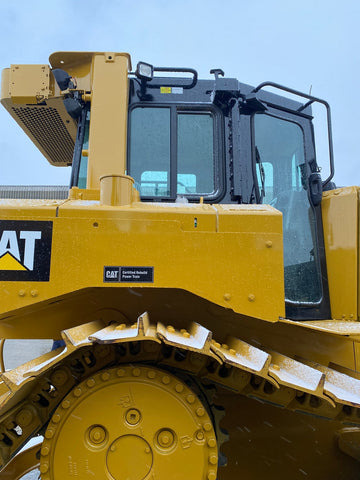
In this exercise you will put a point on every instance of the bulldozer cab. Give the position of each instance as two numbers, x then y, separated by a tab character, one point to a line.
193	140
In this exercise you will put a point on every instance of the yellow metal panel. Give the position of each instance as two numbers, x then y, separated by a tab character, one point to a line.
78	65
340	221
232	268
249	218
109	99
29	83
28	209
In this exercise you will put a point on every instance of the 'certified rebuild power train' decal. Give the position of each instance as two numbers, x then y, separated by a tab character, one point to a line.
129	274
25	250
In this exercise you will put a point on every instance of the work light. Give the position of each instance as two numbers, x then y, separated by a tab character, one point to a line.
145	71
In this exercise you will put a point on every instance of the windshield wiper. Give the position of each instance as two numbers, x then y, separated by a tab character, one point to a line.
262	174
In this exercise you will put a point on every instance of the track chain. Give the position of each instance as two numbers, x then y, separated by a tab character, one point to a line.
30	393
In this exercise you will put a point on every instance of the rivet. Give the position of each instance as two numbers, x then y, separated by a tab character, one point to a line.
207	427
122	326
232	351
34	293
179	388
251	297
170	329
44	467
216	344
105	376
136	372
113	448
227	296
165	379
120	372
151	374
211	476
213	459
147	450
65	404
200	435
49	433
190	399
77	392
45	451
56	418
275	367
186	334
211	442
133	326
200	412
90	383
22	293
269	244
225	347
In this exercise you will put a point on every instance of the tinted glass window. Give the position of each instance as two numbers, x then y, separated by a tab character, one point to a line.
195	153
282	176
171	152
150	150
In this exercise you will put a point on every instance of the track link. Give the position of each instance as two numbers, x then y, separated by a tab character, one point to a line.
30	393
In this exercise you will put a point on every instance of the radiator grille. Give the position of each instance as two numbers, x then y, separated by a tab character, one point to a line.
46	126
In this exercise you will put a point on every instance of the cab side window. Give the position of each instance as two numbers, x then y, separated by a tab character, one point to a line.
172	152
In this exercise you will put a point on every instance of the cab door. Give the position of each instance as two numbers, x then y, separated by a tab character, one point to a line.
284	159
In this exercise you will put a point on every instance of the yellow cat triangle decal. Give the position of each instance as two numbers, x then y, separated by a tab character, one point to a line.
8	262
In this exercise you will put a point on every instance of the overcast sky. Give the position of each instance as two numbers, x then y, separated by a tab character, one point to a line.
306	44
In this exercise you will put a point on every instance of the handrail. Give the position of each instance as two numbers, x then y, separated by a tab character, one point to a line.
311	99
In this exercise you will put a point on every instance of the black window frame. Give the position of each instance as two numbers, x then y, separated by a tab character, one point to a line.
218	150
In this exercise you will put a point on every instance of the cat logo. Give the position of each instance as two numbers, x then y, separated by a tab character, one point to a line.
25	250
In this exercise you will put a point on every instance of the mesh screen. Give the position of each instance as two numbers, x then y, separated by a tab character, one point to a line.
46	126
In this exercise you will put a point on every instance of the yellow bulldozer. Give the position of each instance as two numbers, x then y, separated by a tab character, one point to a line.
200	279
